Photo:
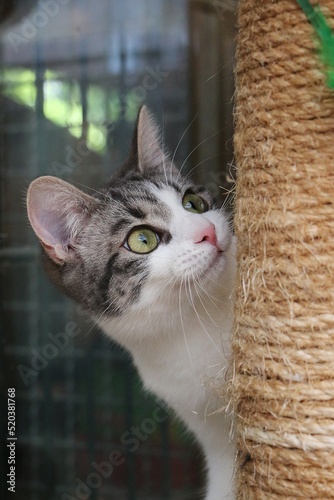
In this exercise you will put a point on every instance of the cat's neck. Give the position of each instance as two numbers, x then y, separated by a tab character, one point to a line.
180	333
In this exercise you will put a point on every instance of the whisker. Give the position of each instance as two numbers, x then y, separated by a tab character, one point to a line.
198	145
200	163
212	299
196	283
182	323
200	320
91	189
182	136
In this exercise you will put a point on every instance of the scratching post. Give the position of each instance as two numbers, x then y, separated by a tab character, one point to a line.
283	346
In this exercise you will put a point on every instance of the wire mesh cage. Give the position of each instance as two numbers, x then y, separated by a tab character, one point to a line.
73	75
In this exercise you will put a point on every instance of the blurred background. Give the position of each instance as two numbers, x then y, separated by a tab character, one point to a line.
73	75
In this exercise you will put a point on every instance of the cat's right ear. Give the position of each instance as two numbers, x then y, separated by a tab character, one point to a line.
57	212
147	142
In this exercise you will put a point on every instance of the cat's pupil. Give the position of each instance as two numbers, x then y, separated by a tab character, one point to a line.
194	203
142	238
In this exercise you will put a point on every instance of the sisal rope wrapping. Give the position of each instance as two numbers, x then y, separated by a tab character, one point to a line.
283	345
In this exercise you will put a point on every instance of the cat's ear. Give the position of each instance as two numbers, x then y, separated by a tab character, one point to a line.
57	212
150	151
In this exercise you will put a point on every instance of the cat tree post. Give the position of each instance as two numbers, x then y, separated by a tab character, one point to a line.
283	345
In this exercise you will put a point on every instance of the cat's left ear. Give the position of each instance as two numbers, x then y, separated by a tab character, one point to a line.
150	150
57	212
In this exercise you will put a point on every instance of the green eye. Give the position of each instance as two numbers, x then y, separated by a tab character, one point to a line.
142	240
194	203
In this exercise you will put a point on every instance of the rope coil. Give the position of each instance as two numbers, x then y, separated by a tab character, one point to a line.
283	345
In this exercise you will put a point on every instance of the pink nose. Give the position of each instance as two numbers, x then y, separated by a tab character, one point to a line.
207	234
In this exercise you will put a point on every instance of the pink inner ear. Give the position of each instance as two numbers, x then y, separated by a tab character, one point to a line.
52	227
56	210
48	222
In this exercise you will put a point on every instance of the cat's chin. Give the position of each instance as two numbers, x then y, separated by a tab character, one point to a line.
210	269
215	267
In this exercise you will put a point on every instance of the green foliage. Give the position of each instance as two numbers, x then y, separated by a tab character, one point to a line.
62	103
325	35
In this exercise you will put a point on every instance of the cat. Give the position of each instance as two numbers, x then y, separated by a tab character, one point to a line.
151	256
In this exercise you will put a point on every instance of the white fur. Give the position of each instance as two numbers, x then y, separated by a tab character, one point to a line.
179	331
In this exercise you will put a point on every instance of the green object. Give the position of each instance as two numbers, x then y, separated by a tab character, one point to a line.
194	203
142	240
326	36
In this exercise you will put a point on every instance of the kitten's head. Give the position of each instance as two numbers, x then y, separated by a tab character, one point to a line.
146	234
